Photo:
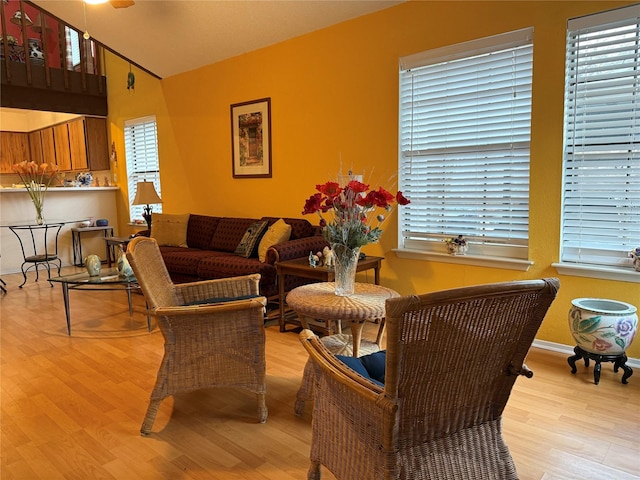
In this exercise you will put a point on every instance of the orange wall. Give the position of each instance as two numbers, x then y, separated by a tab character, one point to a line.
334	96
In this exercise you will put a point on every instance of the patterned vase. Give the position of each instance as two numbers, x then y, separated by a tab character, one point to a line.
345	262
93	265
603	327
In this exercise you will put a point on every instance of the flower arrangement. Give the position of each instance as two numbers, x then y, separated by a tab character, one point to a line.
358	215
357	218
635	258
456	244
36	179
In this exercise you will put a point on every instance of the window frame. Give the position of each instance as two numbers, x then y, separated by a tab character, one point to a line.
482	250
139	173
577	257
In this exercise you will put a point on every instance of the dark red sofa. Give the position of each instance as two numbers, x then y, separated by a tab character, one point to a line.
212	240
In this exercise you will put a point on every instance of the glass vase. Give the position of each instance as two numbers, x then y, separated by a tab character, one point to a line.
39	216
345	264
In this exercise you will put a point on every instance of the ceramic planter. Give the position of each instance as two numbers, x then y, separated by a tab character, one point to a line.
601	326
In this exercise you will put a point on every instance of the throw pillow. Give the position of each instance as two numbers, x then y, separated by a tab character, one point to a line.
375	363
249	242
370	366
279	232
169	230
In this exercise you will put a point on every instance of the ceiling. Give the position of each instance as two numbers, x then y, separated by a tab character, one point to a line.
170	37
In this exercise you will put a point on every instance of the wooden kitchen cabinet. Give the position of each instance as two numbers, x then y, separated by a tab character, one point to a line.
35	147
63	150
77	145
82	144
48	146
97	143
14	148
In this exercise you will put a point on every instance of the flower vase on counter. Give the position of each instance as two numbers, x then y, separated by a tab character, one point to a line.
36	178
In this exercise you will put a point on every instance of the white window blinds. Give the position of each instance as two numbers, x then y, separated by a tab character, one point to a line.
465	114
141	150
601	195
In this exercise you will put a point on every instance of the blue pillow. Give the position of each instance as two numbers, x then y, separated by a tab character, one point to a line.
354	364
370	366
375	364
220	300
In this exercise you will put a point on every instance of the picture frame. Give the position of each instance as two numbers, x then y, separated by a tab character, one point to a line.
251	139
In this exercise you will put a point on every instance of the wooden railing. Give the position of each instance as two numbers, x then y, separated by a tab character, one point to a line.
47	64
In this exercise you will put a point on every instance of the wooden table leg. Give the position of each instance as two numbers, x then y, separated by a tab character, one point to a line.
356	335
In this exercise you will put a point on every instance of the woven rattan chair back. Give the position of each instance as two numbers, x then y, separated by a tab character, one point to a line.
213	330
452	360
146	261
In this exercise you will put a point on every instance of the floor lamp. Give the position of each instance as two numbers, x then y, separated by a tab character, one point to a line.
145	195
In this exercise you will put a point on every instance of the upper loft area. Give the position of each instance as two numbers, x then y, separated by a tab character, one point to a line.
48	65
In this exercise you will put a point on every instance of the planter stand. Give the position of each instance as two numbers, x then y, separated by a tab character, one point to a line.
619	361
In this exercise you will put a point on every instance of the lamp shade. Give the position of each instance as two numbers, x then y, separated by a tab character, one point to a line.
146	194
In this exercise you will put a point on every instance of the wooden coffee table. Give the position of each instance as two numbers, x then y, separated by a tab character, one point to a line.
300	267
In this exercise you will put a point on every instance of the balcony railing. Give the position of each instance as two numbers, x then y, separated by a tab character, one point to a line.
47	64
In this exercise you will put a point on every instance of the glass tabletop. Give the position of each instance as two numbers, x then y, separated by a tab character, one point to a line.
31	223
106	277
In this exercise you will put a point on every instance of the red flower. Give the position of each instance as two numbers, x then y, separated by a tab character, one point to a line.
330	189
357	187
400	198
313	204
379	198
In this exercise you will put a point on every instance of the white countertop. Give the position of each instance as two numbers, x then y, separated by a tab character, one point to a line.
60	189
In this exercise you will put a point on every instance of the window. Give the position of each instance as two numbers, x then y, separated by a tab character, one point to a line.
465	116
601	169
141	150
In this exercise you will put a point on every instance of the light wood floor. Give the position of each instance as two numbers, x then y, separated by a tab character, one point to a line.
71	407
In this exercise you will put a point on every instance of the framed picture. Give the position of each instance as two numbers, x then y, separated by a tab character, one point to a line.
251	139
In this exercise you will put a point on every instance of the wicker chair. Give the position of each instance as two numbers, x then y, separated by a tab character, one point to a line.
212	338
452	359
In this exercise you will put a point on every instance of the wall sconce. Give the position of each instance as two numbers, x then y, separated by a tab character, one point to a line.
145	195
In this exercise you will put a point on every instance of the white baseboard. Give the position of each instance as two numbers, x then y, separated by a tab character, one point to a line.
568	350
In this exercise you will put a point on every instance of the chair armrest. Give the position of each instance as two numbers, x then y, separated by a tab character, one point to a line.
231	287
209	308
298	248
327	361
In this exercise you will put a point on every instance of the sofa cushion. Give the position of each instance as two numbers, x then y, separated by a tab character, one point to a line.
248	245
229	232
169	229
230	265
279	232
300	227
185	261
200	230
